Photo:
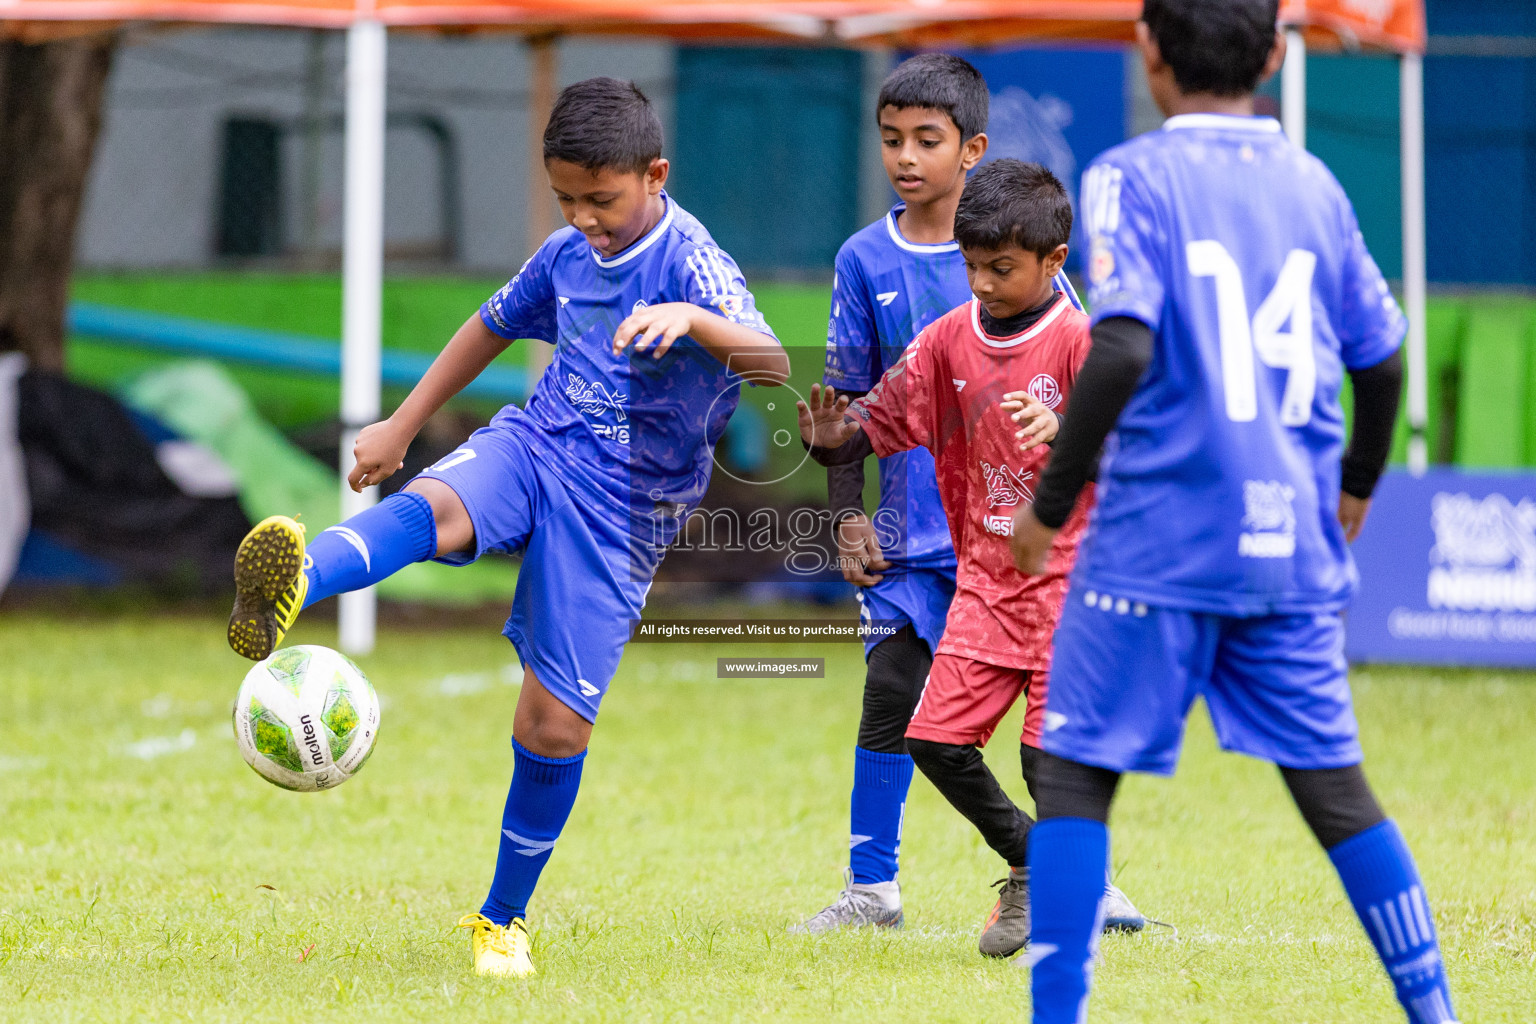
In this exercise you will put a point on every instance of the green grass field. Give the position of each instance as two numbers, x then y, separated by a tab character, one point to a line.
137	851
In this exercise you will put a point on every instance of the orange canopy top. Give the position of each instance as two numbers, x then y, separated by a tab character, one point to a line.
1381	24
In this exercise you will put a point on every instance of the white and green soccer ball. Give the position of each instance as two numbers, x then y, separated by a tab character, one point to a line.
306	718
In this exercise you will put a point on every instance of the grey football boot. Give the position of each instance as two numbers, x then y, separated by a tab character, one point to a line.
857	906
1007	928
1120	914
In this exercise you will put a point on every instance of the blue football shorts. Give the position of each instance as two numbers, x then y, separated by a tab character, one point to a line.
578	593
1124	675
918	597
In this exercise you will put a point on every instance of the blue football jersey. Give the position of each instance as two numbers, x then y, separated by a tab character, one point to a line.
635	430
1219	487
886	289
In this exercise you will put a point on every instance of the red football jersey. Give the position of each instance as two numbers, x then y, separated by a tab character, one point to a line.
945	394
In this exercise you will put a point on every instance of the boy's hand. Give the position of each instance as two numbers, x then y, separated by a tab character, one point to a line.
858	550
655	327
1352	513
822	419
1031	542
1038	424
379	451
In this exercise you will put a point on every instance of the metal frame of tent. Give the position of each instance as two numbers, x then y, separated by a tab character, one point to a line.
1395	25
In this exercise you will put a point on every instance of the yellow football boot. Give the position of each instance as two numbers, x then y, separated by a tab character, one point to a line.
499	952
269	586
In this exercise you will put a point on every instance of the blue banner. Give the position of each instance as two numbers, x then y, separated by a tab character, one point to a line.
1057	107
1448	571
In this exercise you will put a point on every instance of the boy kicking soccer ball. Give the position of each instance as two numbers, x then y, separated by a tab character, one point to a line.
1231	292
894	278
654	333
947	394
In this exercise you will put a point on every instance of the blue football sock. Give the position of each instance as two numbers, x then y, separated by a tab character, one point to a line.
880	783
1067	860
372	545
539	800
1379	875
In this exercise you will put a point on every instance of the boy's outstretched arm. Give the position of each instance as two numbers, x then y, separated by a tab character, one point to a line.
746	352
833	437
380	447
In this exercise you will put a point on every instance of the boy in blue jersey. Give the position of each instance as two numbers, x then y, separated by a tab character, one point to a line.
1231	292
654	333
893	279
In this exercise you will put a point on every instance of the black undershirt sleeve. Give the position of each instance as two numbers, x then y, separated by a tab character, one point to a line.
1121	353
854	450
1377	391
845	482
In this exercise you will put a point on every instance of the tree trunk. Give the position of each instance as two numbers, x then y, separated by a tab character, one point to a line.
50	115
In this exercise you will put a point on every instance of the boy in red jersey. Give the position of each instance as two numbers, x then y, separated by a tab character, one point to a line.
1013	349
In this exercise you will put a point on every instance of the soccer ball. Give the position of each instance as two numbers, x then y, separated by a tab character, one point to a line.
306	718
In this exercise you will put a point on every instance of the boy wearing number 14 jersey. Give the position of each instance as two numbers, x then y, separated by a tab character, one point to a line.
1232	291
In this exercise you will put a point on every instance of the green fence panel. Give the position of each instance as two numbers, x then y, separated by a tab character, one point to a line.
1492	401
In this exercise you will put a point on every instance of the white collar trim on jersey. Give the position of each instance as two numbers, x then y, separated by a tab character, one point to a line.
639	247
1018	339
923	247
1267	125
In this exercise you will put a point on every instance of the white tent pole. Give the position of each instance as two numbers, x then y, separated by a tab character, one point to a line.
362	285
1293	87
1415	266
544	72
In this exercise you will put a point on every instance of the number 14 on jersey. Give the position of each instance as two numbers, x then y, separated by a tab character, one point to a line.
1290	301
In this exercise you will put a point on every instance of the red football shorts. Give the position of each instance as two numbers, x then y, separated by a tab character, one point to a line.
963	701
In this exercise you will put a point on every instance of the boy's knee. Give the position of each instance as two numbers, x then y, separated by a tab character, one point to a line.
1068	789
551	736
1337	803
941	760
455	530
545	725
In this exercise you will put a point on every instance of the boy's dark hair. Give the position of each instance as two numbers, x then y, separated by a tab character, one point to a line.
1010	202
603	122
1214	46
940	81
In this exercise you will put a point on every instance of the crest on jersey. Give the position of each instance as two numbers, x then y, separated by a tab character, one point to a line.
1269	518
1484	555
1005	487
1045	390
1101	261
